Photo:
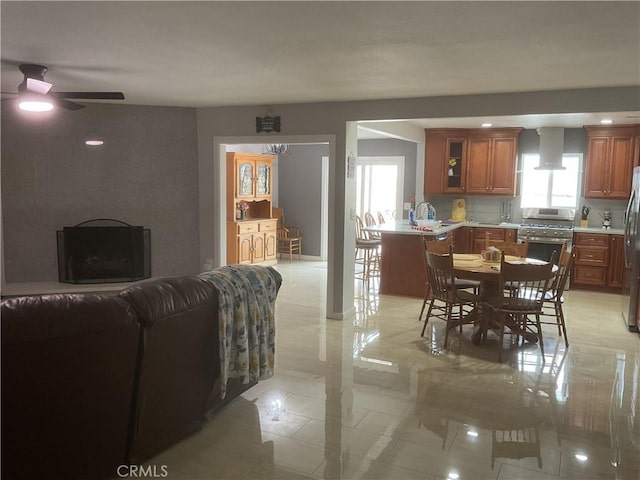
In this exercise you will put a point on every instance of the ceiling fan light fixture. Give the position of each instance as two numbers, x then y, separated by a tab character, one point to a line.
94	143
32	102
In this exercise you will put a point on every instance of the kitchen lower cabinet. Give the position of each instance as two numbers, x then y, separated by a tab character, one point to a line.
599	261
462	239
615	275
480	236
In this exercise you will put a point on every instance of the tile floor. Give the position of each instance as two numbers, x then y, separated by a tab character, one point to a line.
369	398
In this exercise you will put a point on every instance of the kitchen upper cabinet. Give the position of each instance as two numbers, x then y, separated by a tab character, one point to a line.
435	155
472	161
479	153
612	152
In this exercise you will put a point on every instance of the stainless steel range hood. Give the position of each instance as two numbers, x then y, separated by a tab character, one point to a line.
551	148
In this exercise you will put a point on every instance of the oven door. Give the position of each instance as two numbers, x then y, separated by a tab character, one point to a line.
542	248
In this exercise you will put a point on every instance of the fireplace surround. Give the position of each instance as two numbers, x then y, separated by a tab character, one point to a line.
103	250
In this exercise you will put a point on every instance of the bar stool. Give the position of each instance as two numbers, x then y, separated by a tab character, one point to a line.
367	255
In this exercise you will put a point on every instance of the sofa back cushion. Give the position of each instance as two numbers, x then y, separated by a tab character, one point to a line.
68	365
179	361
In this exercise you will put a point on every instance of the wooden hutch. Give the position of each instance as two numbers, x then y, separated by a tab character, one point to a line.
251	235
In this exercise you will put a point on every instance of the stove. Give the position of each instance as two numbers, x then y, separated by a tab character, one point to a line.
547	229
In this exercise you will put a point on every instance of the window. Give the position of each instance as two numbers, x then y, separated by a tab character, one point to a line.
379	186
550	188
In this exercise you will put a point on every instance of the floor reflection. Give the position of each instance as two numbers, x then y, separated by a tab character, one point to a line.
369	398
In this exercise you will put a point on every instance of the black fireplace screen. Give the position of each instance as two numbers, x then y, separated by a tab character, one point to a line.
103	251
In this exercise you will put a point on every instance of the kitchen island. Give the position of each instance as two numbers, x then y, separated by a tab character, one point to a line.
402	270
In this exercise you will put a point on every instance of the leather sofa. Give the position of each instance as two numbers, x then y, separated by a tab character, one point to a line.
91	382
68	370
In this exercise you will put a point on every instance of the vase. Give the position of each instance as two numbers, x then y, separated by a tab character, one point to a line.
451	172
243	214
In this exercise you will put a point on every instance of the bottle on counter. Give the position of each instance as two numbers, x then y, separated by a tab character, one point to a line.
412	215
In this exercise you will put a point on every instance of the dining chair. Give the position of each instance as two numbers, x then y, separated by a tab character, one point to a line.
381	219
442	247
514	249
367	254
515	310
288	238
554	296
509	248
445	295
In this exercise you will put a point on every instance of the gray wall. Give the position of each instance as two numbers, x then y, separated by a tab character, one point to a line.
146	174
394	148
300	192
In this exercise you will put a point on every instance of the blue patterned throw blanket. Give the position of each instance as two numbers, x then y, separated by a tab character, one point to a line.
247	295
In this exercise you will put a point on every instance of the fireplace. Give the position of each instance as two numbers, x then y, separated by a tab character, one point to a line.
103	251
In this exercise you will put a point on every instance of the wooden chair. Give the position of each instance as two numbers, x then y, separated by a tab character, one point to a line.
445	294
367	254
289	239
508	248
370	221
381	219
515	310
442	247
553	297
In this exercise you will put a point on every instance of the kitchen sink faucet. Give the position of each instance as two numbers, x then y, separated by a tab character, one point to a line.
425	209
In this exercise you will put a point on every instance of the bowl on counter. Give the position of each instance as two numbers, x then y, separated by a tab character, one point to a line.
433	224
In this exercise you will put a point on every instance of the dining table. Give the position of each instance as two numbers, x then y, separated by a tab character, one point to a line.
472	266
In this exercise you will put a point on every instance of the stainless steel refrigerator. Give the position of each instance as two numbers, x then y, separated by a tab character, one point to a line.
632	256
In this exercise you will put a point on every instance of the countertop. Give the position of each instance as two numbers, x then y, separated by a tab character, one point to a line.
430	227
437	228
610	231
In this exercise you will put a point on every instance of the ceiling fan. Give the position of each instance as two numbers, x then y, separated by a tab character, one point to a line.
34	94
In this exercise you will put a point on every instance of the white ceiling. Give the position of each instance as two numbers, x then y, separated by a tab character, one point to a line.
201	54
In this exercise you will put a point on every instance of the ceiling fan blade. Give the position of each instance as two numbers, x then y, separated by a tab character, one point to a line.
66	104
90	95
38	86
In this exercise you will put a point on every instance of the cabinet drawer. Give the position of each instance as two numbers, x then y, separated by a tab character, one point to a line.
268	225
589	275
247	227
592	239
494	233
591	255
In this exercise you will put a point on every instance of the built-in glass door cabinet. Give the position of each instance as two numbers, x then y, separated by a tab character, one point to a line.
611	155
454	165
